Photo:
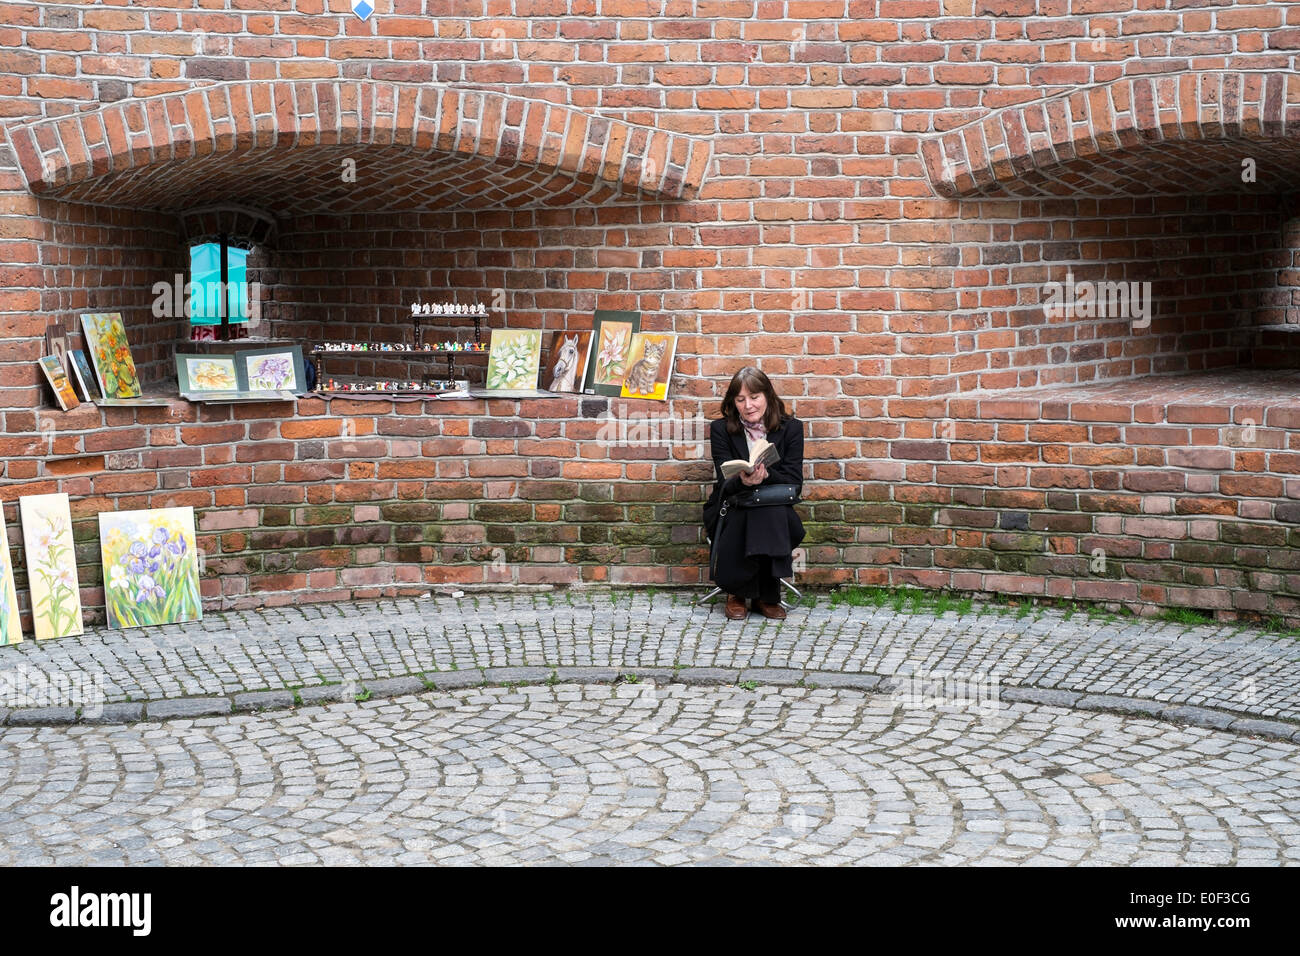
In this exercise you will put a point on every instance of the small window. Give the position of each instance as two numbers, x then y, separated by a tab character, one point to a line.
217	299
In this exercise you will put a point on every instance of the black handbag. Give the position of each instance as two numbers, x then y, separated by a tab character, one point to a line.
757	497
766	495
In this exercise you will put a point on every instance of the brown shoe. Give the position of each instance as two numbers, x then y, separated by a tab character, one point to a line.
774	611
736	609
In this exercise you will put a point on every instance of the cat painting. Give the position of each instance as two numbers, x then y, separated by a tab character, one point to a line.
566	366
641	377
648	376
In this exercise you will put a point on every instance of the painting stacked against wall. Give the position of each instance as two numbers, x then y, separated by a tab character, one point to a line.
54	372
649	365
613	358
11	631
514	359
111	353
151	568
84	377
57	365
51	565
150	562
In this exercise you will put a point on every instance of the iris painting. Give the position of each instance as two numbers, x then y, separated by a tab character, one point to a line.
151	568
271	372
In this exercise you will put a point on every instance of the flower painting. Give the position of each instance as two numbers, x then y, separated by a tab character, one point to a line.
51	565
611	346
151	568
11	631
611	356
208	374
514	359
109	350
272	372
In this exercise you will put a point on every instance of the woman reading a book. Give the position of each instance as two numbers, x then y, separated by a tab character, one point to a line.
755	442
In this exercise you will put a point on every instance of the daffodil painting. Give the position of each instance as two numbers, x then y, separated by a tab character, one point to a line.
111	353
514	358
151	568
11	630
51	565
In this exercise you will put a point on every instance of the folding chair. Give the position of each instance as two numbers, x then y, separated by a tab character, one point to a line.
798	595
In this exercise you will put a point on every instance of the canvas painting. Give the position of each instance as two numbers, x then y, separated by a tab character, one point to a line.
514	358
611	341
52	366
207	373
151	567
83	376
11	631
111	353
566	366
51	565
649	365
274	370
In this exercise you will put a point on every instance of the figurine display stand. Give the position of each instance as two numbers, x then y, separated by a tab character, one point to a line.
401	350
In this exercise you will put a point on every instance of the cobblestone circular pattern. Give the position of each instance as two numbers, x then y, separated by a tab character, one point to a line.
639	773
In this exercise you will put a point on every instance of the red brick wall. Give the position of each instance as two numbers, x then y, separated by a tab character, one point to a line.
896	302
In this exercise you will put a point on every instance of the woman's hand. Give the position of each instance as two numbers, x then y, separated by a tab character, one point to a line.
756	476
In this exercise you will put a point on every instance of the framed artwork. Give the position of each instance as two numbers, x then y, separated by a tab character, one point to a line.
52	366
274	370
83	376
109	350
11	630
151	567
236	376
566	365
649	365
206	373
514	359
610	343
51	565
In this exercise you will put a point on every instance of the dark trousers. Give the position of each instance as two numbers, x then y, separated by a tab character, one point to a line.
765	586
756	551
765	583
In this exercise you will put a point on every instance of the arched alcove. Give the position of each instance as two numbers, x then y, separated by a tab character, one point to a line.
360	183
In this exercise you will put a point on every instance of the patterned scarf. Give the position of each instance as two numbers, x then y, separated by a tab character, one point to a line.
755	432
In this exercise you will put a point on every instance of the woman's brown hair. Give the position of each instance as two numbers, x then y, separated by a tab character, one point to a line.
754	380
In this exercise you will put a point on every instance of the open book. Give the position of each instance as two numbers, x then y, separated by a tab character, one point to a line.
763	452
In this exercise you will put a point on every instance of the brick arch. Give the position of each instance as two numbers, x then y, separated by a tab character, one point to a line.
423	146
241	224
1169	133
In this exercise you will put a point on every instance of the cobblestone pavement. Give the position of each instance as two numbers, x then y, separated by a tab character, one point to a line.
1084	660
639	773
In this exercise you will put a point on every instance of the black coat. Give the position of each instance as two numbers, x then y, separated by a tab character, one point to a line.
773	530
